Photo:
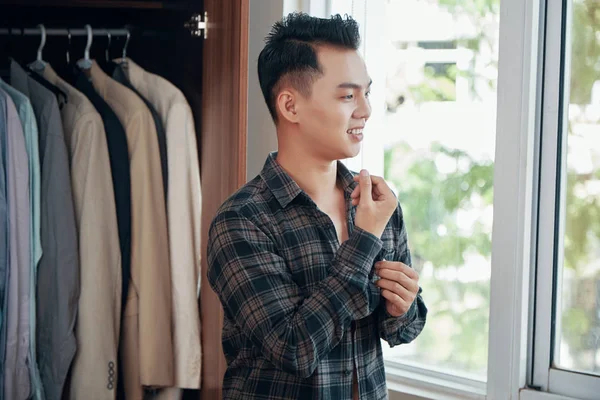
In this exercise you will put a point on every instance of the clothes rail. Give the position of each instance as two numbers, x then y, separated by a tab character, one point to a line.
63	32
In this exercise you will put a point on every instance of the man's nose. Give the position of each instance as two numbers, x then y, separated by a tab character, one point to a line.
363	111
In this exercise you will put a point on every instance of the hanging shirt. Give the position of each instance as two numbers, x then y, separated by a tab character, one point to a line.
3	204
4	242
58	270
147	332
30	130
17	382
99	313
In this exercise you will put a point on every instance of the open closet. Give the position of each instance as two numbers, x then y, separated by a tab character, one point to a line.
198	46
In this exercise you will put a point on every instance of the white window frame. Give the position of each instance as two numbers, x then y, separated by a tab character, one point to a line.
545	376
513	231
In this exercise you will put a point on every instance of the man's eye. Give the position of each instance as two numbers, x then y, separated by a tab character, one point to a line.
367	94
348	97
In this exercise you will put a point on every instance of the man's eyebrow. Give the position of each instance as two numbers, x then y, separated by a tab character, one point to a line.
351	85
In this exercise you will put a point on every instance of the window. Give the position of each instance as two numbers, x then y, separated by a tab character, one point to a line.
567	352
437	133
577	337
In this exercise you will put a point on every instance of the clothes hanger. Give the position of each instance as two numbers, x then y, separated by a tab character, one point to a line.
107	51
107	65
36	68
39	64
69	70
10	55
5	60
86	62
123	60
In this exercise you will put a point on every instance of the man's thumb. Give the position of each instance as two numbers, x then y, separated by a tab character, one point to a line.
365	186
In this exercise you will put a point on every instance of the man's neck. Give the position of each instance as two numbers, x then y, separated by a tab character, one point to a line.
317	178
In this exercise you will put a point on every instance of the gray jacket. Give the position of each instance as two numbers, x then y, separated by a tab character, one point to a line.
58	270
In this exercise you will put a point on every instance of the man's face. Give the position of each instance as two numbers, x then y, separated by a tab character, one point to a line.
332	118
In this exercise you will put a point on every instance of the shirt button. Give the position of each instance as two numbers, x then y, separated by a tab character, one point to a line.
347	372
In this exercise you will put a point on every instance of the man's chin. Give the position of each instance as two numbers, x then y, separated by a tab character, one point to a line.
352	152
341	153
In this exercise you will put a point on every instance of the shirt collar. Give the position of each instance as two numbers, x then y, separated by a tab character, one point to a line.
285	189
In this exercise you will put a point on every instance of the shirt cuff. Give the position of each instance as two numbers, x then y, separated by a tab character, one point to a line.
392	323
358	253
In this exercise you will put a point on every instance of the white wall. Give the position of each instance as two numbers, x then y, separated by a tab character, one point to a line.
262	138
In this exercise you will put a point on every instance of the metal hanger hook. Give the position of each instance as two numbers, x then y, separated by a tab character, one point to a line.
107	53
88	46
68	46
42	43
125	47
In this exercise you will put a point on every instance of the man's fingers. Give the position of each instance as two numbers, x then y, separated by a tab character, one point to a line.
398	266
379	186
400	278
365	186
395	288
396	300
377	180
374	178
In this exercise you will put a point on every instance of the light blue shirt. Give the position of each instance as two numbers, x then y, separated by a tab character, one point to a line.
30	131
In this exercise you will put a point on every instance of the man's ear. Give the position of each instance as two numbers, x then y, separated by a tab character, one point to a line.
287	103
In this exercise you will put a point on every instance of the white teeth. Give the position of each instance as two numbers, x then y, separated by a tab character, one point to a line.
355	131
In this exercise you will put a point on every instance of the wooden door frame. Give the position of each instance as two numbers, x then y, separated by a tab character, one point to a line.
222	150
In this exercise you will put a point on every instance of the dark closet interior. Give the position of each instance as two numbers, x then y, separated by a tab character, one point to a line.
160	40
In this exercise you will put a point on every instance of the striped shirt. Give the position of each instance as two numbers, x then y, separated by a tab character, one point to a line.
301	311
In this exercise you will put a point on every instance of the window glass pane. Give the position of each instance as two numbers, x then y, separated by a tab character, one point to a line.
440	122
577	339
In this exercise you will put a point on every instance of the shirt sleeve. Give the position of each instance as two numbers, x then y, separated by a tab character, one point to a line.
405	328
257	292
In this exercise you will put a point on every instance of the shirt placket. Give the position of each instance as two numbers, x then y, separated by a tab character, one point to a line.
347	363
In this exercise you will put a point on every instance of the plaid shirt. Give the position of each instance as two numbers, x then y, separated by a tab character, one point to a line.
301	310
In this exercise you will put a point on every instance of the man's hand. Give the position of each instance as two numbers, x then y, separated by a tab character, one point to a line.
399	286
375	203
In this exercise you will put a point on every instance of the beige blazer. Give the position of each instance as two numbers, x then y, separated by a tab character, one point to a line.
99	309
183	209
146	333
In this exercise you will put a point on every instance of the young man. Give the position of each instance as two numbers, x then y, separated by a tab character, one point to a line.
296	256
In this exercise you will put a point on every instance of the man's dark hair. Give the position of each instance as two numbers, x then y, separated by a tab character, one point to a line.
290	54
